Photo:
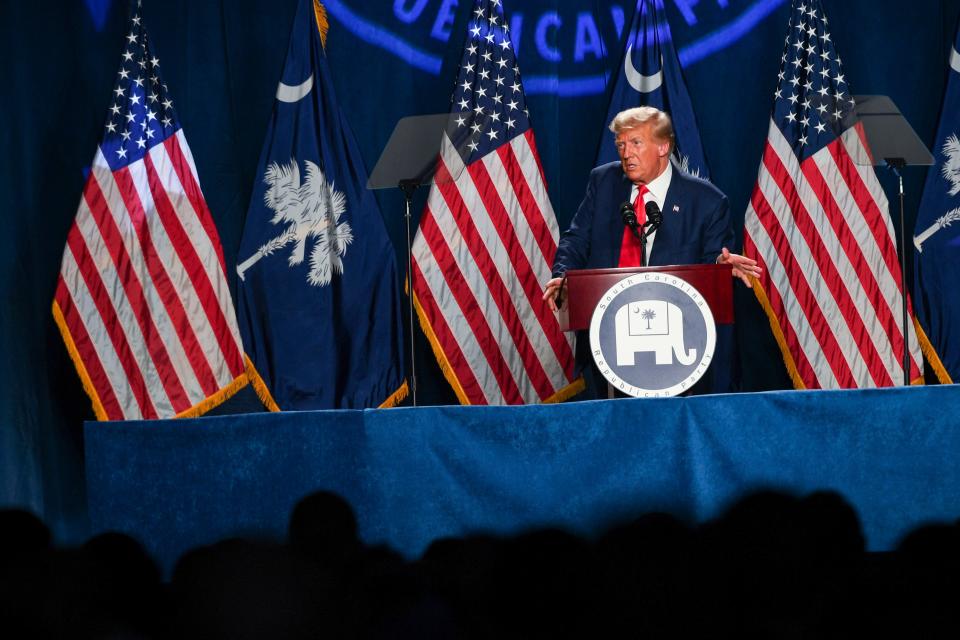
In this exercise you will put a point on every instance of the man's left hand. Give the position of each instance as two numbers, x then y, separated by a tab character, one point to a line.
743	267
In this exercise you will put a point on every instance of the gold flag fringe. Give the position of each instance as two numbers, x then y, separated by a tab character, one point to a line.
566	393
931	355
198	409
216	399
259	386
322	24
396	397
777	330
928	351
438	353
98	409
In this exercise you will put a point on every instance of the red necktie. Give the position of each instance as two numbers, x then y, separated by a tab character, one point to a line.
629	245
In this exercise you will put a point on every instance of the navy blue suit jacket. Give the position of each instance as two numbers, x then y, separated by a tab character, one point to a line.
695	229
696	223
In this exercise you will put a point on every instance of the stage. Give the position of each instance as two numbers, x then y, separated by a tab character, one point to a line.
414	475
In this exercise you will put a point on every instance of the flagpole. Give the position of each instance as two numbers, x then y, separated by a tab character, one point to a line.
897	164
409	187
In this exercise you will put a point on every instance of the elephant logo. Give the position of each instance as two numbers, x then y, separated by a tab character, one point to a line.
651	325
652	334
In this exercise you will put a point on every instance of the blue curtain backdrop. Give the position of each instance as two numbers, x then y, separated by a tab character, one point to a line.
389	59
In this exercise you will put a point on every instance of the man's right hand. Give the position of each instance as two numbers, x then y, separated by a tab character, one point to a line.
551	293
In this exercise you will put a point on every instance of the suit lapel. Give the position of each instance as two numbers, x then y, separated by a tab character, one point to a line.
667	233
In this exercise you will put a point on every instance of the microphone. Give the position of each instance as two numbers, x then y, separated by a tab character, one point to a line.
629	217
654	216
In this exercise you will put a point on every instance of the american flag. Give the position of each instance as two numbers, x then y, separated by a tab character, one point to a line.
142	300
487	238
818	224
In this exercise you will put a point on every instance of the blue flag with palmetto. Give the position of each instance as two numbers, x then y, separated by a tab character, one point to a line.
936	237
319	306
650	75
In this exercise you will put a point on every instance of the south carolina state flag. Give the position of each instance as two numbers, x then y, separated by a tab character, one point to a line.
936	238
318	297
650	75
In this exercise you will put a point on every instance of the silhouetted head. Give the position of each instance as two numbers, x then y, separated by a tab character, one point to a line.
830	526
762	520
22	532
324	526
122	560
244	589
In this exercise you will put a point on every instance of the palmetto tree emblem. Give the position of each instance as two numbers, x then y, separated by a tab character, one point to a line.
951	165
682	162
310	210
951	173
648	315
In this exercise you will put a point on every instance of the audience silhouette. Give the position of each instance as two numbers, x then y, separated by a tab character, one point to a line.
771	566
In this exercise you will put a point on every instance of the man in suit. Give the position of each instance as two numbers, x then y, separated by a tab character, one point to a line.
696	221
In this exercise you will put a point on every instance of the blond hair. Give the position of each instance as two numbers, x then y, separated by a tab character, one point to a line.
660	124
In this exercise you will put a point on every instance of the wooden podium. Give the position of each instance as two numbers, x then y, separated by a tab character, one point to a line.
585	287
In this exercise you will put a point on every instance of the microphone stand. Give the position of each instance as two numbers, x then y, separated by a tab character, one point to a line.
642	237
653	219
651	228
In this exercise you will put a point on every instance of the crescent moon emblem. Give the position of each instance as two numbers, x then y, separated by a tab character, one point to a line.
955	60
640	82
287	93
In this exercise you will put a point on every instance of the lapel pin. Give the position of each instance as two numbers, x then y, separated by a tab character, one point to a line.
676	208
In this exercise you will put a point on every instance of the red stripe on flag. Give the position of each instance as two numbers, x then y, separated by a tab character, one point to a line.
867	205
166	291
468	304
528	204
886	246
532	142
87	268
858	329
503	222
443	334
88	354
780	246
804	368
876	220
194	269
798	282
544	237
807	299
128	275
195	196
498	290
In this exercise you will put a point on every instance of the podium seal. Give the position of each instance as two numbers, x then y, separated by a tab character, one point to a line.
652	335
